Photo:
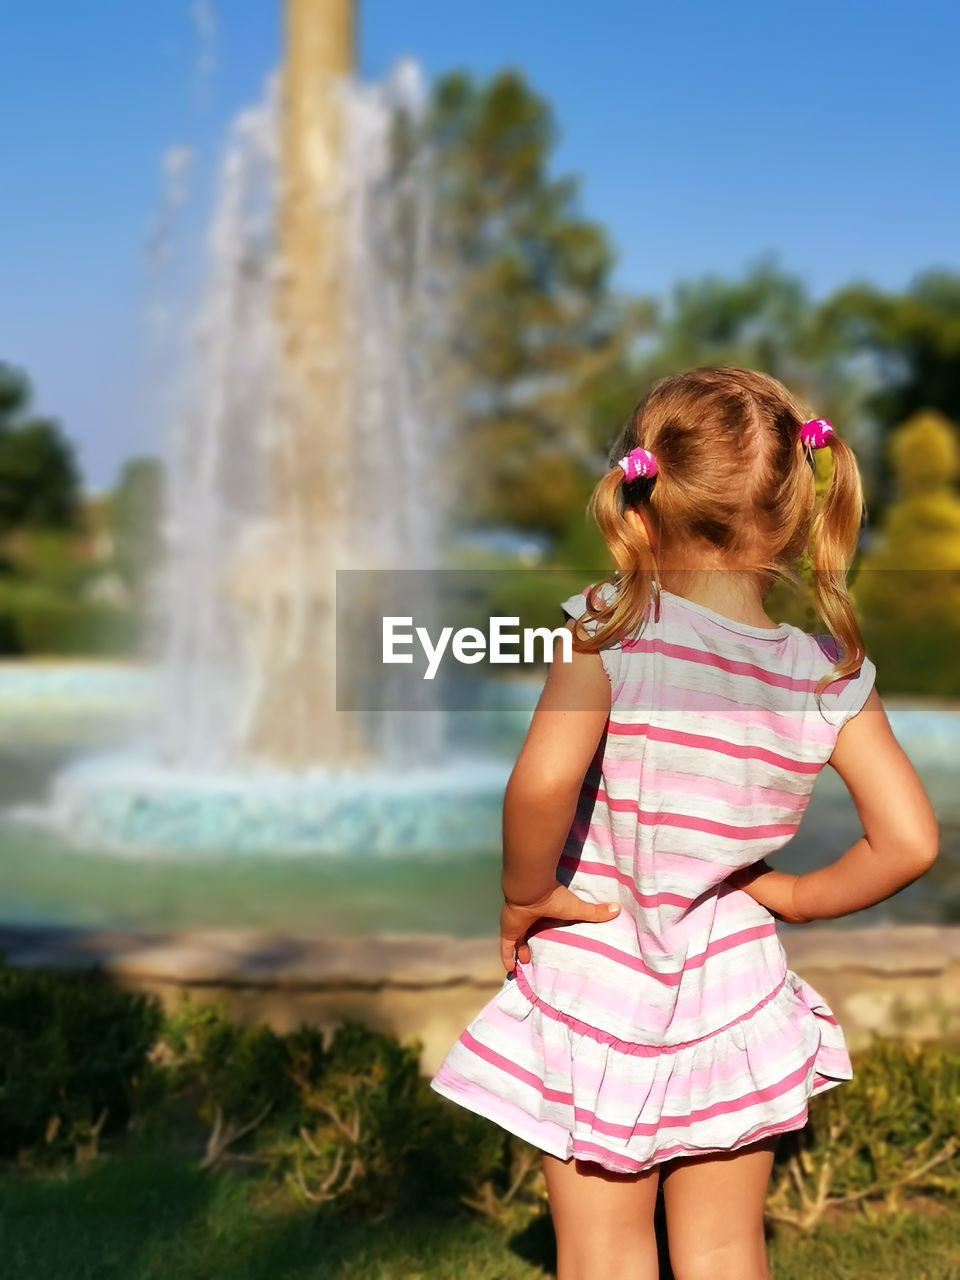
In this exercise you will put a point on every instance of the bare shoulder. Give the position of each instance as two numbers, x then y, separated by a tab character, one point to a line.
867	731
883	784
569	721
576	681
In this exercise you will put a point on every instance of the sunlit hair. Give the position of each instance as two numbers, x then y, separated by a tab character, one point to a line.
735	479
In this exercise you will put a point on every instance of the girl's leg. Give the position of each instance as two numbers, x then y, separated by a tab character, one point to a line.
603	1221
714	1210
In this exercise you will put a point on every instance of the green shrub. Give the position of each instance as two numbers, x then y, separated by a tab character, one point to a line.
916	657
345	1119
74	1059
371	1134
894	1126
38	619
49	559
236	1074
70	628
373	1137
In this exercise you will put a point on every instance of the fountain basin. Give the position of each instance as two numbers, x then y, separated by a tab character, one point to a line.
97	834
124	802
129	805
31	688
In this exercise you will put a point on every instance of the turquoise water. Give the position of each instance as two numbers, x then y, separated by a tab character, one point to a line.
50	720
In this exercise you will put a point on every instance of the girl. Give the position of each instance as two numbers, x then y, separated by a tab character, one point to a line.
648	1031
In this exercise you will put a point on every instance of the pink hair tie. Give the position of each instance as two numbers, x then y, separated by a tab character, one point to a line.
638	462
815	433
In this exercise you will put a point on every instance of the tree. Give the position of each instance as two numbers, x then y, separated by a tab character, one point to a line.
538	325
39	477
912	338
763	320
909	583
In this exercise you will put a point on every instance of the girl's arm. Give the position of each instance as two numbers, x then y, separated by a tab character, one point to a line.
900	840
541	800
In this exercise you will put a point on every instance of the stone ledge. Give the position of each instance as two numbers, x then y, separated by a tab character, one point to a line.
238	957
252	959
902	948
898	979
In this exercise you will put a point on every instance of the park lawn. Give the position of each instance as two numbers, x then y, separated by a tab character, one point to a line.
152	1215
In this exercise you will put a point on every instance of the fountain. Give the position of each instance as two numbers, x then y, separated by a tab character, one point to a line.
306	446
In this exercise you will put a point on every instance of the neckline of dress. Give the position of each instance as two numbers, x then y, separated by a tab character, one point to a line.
743	628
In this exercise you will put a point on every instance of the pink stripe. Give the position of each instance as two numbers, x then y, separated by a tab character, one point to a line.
596	1076
698	865
583	832
720	999
706	872
692	784
727	1107
552	1137
688	822
513	1069
675	614
605	999
610	953
673	979
584	1116
832	1058
629	1048
735	750
533	1129
609	872
704	658
675	699
592	1151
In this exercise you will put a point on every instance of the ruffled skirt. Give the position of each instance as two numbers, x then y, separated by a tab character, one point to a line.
575	1091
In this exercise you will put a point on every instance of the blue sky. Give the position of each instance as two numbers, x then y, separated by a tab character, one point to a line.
705	135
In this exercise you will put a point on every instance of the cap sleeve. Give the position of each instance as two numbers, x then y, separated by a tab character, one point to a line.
845	697
611	653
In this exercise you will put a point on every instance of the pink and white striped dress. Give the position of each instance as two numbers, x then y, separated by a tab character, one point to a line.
676	1028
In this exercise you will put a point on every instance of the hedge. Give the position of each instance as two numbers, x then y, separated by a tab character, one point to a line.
38	623
347	1121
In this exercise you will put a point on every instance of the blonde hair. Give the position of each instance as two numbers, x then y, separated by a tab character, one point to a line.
732	473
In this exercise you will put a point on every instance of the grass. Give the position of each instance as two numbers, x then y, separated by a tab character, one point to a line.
148	1213
158	1219
920	1243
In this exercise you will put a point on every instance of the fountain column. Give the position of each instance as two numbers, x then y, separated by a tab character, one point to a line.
286	579
311	302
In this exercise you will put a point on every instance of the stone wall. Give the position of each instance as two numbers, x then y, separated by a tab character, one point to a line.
902	979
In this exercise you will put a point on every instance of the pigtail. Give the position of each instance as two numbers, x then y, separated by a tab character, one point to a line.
833	541
632	554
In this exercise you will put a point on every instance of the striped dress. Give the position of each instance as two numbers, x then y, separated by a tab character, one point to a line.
676	1028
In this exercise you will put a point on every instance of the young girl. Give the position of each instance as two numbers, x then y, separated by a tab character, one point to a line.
649	1030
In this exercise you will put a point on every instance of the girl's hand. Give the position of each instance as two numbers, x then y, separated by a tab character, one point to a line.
559	904
772	889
